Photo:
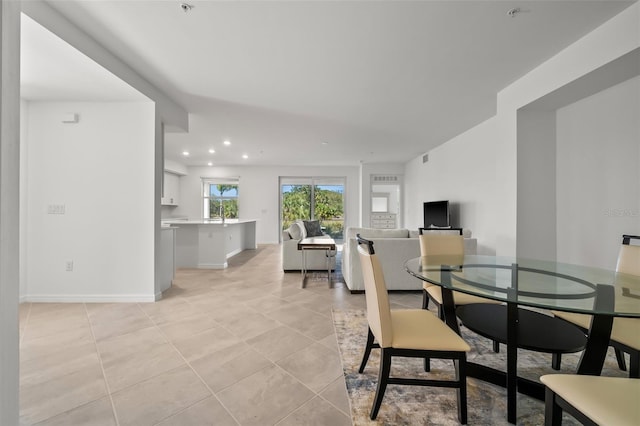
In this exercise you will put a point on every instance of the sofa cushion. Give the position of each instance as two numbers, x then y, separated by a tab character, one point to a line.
297	230
313	228
377	233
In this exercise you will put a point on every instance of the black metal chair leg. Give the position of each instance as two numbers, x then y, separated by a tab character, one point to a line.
367	351
461	376
634	365
552	411
496	346
622	365
383	377
427	364
425	299
556	360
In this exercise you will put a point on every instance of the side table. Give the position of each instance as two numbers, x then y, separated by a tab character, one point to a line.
326	244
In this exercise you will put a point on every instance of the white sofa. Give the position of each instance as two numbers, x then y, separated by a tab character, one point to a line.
292	257
393	247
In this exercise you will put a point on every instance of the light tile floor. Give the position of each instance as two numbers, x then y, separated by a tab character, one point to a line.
240	346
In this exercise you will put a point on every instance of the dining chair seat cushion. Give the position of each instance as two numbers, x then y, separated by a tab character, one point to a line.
625	330
605	400
426	285
419	329
459	298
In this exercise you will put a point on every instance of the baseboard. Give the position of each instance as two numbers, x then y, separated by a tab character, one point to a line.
90	298
234	252
212	265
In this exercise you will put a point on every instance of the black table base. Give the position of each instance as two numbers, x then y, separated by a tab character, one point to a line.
536	331
533	331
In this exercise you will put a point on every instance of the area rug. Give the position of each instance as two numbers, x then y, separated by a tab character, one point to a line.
415	405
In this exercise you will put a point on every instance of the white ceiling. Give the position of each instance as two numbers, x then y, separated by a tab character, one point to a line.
377	81
52	70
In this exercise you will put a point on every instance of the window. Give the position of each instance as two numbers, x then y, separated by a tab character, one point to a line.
319	198
220	198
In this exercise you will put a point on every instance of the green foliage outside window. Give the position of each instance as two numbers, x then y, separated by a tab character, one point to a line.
296	204
329	208
219	204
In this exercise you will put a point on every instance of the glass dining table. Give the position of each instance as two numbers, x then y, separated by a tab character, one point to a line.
521	282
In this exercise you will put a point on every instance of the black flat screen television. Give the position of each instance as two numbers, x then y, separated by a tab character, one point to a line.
436	213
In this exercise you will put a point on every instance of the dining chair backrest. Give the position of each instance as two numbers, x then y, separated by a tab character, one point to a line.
454	231
629	256
441	244
377	298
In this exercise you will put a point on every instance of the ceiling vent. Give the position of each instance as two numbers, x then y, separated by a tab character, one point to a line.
385	178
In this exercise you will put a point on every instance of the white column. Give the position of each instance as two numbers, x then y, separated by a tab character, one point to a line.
9	208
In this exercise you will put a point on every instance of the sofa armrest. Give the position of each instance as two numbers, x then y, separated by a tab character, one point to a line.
285	235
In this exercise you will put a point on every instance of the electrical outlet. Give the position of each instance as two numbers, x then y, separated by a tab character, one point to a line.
69	266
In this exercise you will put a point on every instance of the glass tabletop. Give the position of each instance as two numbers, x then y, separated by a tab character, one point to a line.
535	283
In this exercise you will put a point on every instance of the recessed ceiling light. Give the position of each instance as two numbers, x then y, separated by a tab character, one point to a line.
185	153
186	7
227	143
211	151
245	156
209	163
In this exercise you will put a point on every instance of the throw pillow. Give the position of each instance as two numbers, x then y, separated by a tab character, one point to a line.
295	231
313	228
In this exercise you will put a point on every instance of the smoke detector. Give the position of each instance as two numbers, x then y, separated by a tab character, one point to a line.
186	7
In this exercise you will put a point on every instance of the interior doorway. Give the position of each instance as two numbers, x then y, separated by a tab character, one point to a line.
385	202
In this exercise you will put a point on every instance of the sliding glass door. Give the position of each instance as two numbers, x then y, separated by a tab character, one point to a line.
313	198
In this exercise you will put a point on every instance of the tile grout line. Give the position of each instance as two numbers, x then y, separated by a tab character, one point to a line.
315	341
104	375
192	369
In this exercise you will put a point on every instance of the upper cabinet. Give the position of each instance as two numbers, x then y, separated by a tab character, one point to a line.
171	189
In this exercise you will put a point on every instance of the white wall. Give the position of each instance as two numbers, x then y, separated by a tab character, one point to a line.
172	114
612	40
102	170
537	184
493	207
23	198
462	171
259	193
9	209
598	174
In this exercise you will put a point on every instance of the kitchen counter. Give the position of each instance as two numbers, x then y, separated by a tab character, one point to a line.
207	244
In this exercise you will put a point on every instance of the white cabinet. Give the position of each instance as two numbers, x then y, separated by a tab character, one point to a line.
383	220
171	189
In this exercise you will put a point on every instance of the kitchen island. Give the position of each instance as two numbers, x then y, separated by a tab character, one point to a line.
207	244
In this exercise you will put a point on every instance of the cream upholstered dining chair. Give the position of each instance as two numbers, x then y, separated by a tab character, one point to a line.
414	333
625	333
437	244
592	400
